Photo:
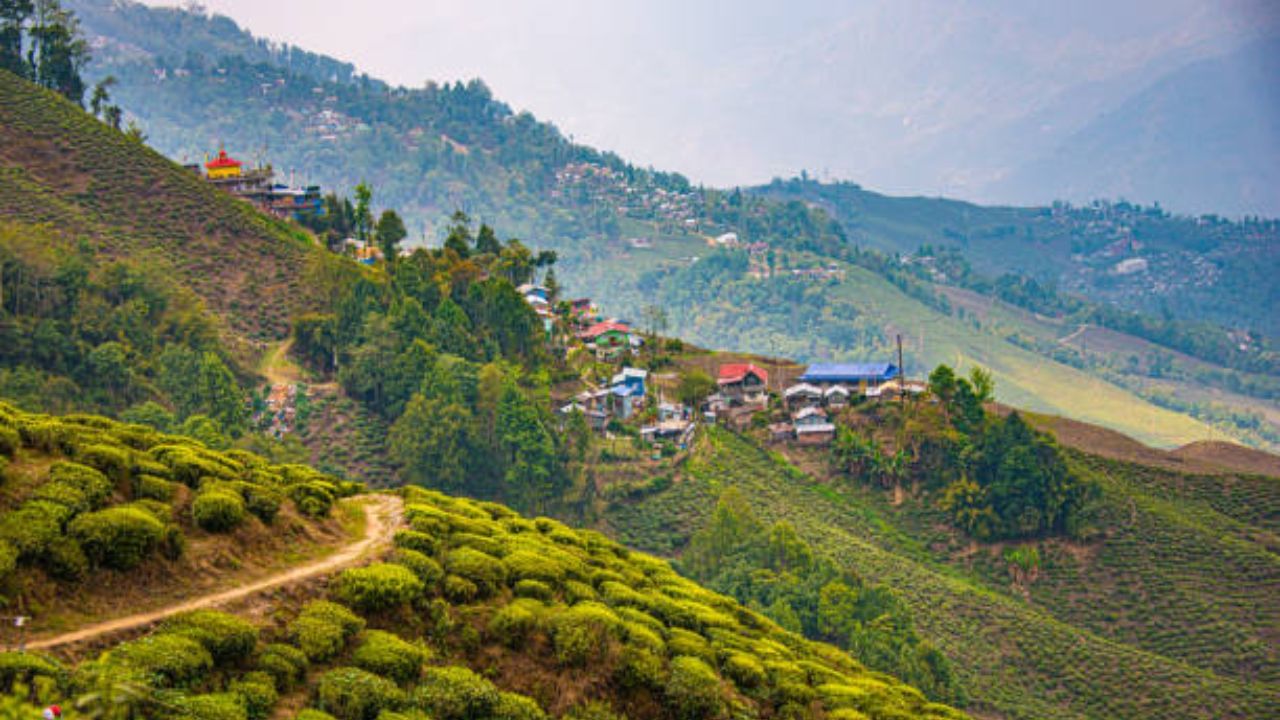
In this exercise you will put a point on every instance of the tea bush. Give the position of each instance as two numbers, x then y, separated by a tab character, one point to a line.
218	511
228	639
349	693
119	538
427	569
693	689
455	693
385	654
286	664
378	587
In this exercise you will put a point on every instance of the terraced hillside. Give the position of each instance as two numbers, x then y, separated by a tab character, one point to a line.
476	613
61	167
1168	612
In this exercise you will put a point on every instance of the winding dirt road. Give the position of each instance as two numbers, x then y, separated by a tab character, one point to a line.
383	512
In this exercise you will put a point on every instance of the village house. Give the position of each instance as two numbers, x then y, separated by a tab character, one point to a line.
836	396
627	392
744	384
813	427
802	395
608	339
597	420
863	376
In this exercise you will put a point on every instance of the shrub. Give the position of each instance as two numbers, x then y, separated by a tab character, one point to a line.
64	559
228	639
48	435
639	668
414	540
693	689
534	589
529	565
119	537
644	636
23	667
745	670
257	691
169	660
313	714
112	461
95	486
512	624
8	560
31	528
186	466
385	654
513	706
486	571
350	693
213	706
323	628
576	592
218	511
583	631
313	499
460	589
150	487
427	569
263	502
10	441
286	664
378	587
483	543
455	693
63	494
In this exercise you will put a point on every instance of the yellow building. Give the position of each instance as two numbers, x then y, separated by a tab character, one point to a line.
223	167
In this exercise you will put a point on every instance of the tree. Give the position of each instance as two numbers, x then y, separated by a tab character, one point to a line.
363	217
487	241
57	50
221	395
101	94
459	238
984	385
390	232
14	16
532	473
694	387
133	132
942	383
430	442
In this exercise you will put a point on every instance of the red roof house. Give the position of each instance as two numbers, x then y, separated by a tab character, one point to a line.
731	373
744	383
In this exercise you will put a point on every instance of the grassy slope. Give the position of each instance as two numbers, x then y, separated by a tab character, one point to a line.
60	166
636	607
1020	659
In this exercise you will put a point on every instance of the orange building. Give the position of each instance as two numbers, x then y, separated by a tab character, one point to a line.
223	167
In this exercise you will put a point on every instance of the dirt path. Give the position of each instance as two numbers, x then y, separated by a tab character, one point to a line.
383	512
278	368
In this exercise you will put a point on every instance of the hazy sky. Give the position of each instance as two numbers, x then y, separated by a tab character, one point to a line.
919	96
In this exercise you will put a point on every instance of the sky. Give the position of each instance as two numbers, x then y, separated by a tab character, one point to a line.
909	96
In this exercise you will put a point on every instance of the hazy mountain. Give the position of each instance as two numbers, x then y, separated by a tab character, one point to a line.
1194	140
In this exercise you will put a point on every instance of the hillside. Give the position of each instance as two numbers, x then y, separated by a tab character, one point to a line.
1165	613
477	611
62	168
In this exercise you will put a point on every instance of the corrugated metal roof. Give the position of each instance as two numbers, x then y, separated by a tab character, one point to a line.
849	372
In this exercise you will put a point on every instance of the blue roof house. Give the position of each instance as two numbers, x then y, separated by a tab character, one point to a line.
627	389
856	374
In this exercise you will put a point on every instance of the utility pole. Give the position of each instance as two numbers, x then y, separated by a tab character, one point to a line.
902	371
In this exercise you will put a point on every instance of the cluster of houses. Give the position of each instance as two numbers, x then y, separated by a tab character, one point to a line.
258	186
628	197
824	389
626	396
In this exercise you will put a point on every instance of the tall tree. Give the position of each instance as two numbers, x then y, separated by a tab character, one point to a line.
14	16
363	216
390	232
57	52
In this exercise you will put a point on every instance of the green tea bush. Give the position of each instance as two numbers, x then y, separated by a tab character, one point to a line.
118	537
167	660
112	461
313	499
639	668
385	654
63	494
512	624
151	487
65	560
323	628
286	664
460	590
10	441
693	689
263	502
414	540
583	632
455	693
46	435
212	706
228	639
487	572
513	706
576	592
349	693
24	667
643	636
93	483
683	642
313	714
257	691
218	511
156	509
531	565
378	587
427	569
745	671
533	589
483	543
